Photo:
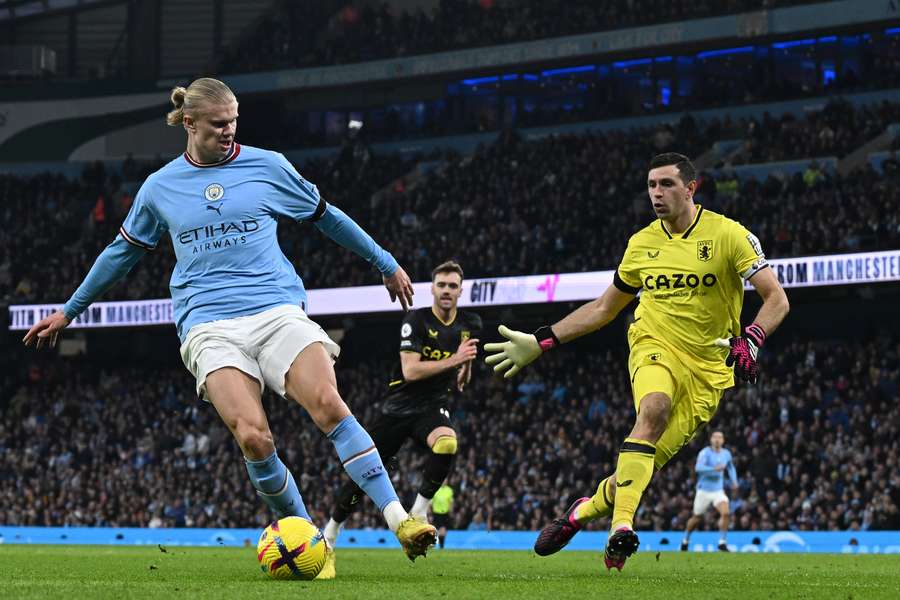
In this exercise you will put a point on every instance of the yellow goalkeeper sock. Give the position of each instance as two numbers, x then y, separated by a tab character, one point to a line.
600	506
633	473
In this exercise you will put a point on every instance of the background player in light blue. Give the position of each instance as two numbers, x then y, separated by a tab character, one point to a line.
239	305
712	463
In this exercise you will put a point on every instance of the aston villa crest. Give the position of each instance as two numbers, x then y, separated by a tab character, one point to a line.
705	250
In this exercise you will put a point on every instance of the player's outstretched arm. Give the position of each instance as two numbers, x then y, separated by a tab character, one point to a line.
112	265
521	349
337	225
744	348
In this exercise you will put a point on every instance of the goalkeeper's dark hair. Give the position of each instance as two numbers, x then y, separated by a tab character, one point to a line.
450	266
686	170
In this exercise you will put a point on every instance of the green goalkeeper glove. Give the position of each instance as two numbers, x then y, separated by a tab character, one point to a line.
521	350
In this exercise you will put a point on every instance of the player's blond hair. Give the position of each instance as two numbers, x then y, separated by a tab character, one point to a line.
200	92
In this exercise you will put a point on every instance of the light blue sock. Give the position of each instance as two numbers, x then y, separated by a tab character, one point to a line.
362	462
276	486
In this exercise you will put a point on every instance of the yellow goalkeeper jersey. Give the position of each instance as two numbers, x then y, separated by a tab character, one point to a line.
691	288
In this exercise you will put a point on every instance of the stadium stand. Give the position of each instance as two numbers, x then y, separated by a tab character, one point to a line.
82	445
527	190
596	90
295	35
816	443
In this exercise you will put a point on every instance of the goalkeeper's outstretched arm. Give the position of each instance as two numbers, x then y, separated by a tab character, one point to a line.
521	349
590	317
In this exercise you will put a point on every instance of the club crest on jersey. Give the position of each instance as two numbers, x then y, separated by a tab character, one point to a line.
464	335
705	250
213	192
432	333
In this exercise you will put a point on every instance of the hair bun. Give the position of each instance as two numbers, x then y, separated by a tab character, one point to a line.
178	94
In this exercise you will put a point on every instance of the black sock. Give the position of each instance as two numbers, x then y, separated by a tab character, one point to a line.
348	499
434	473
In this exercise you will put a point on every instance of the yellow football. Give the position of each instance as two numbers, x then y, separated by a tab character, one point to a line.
291	548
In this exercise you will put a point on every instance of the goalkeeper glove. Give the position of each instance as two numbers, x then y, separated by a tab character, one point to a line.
520	350
743	350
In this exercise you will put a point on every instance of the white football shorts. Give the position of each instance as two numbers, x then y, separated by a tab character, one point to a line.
263	346
703	500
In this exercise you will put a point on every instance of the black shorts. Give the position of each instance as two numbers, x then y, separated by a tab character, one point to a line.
440	520
390	432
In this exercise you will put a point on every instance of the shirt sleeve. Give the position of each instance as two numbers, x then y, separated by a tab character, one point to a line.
112	265
702	467
732	472
627	277
334	223
747	256
411	333
142	226
294	197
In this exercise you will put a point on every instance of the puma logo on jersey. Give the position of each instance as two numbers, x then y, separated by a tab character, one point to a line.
218	208
432	333
652	254
625	483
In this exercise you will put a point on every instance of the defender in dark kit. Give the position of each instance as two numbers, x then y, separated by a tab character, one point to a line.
437	347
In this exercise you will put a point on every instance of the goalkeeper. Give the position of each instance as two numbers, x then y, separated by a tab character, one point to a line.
686	342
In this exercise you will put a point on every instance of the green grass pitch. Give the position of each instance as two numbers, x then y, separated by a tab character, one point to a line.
189	572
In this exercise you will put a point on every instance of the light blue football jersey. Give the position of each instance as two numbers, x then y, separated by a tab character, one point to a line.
222	222
708	478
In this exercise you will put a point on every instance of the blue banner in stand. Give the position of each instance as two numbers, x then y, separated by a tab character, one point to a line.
846	542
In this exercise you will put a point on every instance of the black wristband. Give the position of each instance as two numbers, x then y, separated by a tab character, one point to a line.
546	338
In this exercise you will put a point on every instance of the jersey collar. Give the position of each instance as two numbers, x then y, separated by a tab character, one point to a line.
444	323
687	231
232	154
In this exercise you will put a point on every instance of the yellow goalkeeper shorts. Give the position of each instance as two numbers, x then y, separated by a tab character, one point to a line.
655	368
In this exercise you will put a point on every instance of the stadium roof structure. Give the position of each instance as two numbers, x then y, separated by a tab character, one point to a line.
14	9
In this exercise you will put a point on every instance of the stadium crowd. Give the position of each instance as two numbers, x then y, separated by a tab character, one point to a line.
836	130
527	191
816	444
341	32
